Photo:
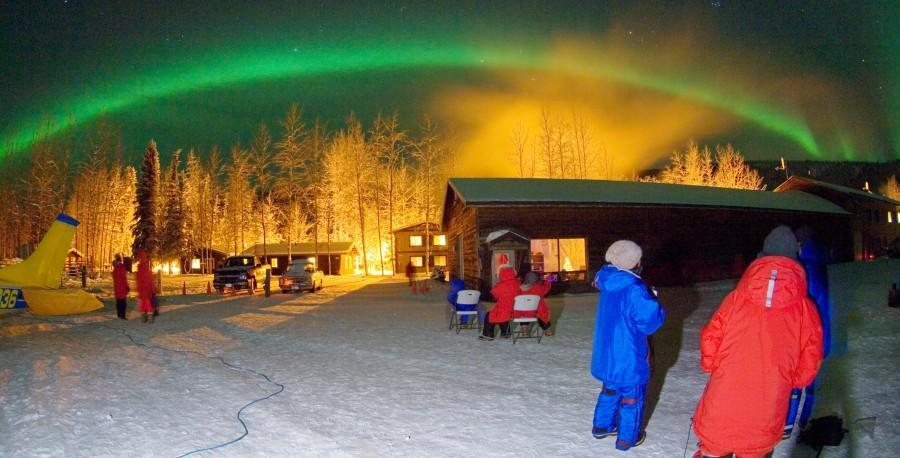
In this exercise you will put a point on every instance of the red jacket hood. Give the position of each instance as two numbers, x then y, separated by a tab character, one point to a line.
774	281
507	273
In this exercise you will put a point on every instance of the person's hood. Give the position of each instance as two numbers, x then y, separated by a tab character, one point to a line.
773	281
811	251
612	278
507	273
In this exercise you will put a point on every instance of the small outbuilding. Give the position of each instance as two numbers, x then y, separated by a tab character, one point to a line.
562	228
335	258
876	218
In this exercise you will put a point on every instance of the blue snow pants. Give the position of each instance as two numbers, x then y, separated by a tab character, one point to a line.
621	408
794	406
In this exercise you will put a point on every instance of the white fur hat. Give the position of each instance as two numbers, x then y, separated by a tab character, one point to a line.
624	254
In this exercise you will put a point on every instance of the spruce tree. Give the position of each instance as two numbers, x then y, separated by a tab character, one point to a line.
145	214
172	240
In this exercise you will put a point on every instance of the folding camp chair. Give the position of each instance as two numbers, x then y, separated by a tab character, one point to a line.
526	327
468	298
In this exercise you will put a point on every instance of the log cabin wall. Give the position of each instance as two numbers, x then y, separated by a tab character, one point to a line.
461	225
681	244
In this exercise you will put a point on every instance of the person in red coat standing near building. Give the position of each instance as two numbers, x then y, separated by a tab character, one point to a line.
505	291
764	340
120	286
145	287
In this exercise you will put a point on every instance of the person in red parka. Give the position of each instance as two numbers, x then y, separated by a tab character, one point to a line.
764	339
145	287
120	286
534	285
505	291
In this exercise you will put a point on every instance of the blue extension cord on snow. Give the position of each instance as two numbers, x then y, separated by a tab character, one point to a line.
218	358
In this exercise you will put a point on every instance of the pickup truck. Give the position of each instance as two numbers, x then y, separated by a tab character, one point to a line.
301	275
239	272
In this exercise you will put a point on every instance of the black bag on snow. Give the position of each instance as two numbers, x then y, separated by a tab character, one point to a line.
823	431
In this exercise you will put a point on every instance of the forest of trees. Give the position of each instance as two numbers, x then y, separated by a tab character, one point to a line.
297	183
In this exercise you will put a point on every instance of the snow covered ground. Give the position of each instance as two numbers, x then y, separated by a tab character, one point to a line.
370	370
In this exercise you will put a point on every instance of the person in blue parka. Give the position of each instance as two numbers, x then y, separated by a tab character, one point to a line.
457	285
627	314
815	261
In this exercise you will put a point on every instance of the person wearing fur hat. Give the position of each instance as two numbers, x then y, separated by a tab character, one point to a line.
764	340
627	313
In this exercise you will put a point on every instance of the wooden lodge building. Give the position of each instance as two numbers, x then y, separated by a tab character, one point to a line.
562	228
876	218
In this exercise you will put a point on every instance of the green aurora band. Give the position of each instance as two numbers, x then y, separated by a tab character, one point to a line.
252	64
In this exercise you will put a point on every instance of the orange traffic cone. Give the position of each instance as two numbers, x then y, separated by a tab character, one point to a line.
184	288
208	289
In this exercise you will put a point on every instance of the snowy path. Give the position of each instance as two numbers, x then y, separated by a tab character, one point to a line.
369	370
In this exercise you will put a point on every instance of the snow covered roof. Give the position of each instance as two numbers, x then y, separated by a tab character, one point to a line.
531	191
434	227
793	181
281	249
504	232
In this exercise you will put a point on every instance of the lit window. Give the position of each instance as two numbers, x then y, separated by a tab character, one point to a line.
415	240
440	240
274	262
416	261
557	255
890	217
439	261
195	264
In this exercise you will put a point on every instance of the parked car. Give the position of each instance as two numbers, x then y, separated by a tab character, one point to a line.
301	275
239	272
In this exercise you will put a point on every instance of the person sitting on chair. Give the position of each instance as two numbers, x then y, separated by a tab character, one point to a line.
457	285
505	293
533	284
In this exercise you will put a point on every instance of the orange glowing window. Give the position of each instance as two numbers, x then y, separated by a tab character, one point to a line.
440	240
417	261
415	240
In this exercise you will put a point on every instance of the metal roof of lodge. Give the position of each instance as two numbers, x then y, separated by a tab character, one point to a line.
536	191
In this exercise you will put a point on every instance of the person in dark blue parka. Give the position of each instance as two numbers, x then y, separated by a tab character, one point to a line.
627	314
815	261
457	285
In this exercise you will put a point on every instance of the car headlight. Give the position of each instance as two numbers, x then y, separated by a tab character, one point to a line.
243	276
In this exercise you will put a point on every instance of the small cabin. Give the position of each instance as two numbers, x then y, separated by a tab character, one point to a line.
74	263
335	258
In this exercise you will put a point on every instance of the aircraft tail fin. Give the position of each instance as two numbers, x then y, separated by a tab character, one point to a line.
43	268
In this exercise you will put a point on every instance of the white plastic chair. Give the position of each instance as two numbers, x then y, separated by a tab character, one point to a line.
465	297
526	327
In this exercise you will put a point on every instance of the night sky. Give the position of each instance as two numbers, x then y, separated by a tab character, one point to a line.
816	80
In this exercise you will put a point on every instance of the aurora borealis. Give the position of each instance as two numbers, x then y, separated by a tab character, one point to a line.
195	74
